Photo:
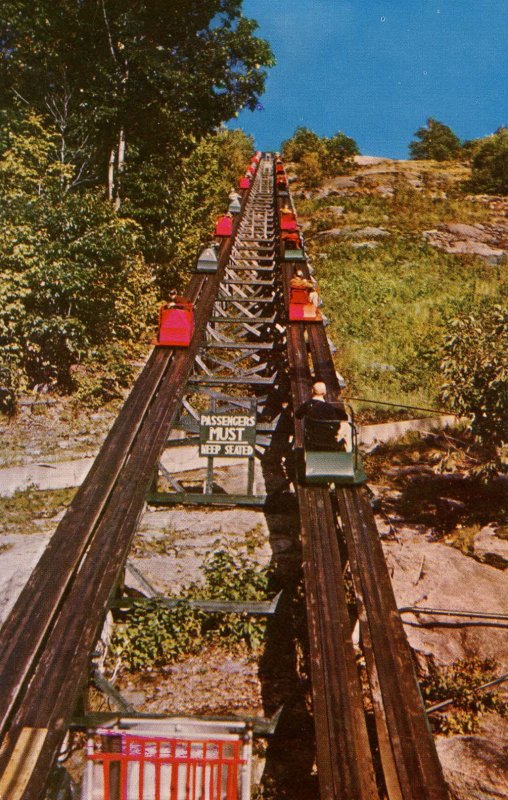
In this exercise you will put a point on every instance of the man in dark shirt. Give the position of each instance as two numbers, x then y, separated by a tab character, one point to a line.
321	420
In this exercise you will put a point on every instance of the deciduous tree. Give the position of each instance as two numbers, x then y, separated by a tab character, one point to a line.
475	369
489	168
436	141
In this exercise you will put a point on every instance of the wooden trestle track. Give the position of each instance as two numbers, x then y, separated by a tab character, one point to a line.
241	340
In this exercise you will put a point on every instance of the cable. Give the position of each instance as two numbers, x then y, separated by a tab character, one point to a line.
400	405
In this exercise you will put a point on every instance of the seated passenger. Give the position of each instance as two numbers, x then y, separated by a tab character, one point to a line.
175	300
299	282
322	420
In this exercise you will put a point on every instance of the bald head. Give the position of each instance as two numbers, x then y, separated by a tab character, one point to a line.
319	389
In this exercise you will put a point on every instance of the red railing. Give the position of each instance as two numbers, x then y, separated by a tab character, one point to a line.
128	767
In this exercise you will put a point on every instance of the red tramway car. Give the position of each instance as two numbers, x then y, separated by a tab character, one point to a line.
288	220
176	324
224	225
300	307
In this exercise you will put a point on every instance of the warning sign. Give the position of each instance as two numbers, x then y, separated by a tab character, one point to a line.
231	434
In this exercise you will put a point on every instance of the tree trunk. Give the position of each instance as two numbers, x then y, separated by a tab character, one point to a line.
120	168
111	173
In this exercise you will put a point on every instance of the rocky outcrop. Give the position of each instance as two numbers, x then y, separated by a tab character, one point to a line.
491	548
476	767
434	575
347	232
489	242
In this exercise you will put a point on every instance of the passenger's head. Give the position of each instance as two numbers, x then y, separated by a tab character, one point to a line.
319	389
299	273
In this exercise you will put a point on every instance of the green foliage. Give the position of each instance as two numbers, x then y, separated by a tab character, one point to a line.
436	141
154	76
103	377
302	141
71	277
475	370
232	576
340	150
460	683
309	170
389	303
121	101
153	635
318	156
489	169
186	204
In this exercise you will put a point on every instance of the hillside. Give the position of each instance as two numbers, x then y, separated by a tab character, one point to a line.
399	248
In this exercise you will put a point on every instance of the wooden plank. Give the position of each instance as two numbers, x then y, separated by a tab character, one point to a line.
76	624
418	767
345	766
21	763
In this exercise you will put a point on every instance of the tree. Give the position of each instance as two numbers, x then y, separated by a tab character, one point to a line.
309	170
340	150
130	82
72	280
475	368
489	168
182	221
302	141
436	141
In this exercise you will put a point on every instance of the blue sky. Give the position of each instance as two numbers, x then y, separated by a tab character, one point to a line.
377	69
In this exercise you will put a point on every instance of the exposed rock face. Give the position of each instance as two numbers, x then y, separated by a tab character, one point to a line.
18	560
476	767
368	233
491	549
489	242
435	575
347	232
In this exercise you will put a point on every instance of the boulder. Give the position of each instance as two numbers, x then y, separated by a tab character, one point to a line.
476	767
434	575
490	548
463	231
489	242
368	233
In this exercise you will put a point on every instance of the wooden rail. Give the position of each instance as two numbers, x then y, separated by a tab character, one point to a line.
47	639
46	642
410	765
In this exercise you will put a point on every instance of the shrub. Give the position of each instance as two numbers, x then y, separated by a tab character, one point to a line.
436	141
489	169
153	634
475	369
309	170
317	156
340	150
458	683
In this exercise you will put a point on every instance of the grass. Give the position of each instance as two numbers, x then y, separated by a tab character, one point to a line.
22	512
389	305
161	545
463	538
460	683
